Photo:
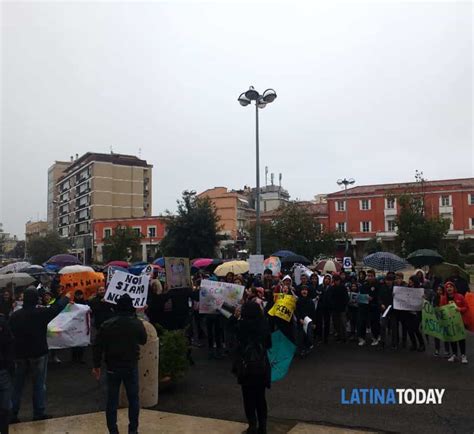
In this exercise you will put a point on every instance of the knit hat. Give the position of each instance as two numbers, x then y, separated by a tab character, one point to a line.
125	304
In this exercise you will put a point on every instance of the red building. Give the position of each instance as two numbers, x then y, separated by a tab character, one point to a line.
372	209
152	230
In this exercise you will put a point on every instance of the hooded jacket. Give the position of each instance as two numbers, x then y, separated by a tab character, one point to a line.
457	298
304	308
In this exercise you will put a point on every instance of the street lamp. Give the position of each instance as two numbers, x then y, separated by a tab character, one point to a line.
345	182
261	102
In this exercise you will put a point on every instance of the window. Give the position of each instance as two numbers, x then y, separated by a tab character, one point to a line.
107	232
391	226
471	199
446	200
390	203
365	226
341	227
341	205
137	232
151	231
472	222
365	204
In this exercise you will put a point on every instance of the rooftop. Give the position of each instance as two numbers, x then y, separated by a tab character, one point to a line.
121	159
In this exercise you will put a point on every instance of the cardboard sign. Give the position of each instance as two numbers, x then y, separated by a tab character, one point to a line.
362	298
125	283
256	265
273	263
353	298
178	274
284	307
405	298
87	281
299	271
71	328
443	322
213	295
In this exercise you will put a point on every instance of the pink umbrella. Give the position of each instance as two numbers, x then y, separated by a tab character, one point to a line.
202	262
123	264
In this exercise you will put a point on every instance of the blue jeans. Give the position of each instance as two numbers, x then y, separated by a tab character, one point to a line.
38	368
129	376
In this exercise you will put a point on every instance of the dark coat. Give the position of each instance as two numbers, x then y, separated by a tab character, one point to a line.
29	327
245	331
339	298
119	339
305	307
101	311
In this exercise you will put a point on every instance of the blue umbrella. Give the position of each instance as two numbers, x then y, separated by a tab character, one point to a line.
137	267
385	261
160	262
280	355
283	253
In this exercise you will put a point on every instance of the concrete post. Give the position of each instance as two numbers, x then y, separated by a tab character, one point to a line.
147	371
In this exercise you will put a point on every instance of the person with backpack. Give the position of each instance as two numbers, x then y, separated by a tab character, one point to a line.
251	364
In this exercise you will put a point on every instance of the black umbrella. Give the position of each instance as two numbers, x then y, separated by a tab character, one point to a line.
295	259
283	253
422	257
385	261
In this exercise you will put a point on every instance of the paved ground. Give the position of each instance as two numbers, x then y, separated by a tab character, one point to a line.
310	393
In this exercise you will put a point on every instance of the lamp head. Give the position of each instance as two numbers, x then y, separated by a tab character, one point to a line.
243	100
252	94
269	95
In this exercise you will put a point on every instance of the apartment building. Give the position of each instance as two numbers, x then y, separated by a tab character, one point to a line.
54	173
372	209
101	186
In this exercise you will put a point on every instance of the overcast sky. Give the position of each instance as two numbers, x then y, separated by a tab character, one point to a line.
365	90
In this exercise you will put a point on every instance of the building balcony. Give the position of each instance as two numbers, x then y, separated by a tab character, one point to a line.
445	209
390	212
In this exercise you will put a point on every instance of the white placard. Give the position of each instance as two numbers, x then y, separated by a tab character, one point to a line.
299	271
306	322
71	328
405	298
125	283
256	264
213	295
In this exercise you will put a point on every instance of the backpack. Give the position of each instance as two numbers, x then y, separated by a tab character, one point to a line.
253	359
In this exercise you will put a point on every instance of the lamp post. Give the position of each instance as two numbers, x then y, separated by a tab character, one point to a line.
345	182
261	101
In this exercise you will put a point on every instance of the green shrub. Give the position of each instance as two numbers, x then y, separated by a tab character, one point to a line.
173	352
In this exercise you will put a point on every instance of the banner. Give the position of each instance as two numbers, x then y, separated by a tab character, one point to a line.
71	328
405	298
87	281
284	307
299	271
443	322
125	283
213	295
273	263
178	274
256	265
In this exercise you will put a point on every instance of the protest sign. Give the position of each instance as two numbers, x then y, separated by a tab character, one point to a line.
213	295
71	328
443	322
273	263
87	281
178	274
306	322
353	298
148	270
256	265
405	298
362	298
125	283
299	271
347	263
284	307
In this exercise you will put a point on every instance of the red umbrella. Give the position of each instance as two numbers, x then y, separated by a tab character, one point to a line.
328	266
123	264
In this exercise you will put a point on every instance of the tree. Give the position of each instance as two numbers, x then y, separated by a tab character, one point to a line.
122	245
415	230
373	246
294	228
192	233
18	251
41	248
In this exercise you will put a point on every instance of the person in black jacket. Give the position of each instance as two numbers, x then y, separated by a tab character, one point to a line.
304	308
6	370
251	364
369	312
100	309
339	299
323	309
389	321
119	339
29	328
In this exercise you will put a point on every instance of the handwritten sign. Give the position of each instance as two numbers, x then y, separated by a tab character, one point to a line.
213	295
443	322
405	298
284	307
273	263
178	274
71	328
125	283
256	265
